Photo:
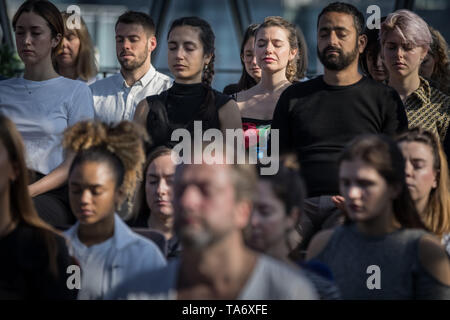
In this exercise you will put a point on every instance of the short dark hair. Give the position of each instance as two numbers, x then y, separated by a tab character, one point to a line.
140	18
342	7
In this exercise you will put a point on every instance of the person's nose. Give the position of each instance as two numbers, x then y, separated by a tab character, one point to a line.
354	192
86	197
409	170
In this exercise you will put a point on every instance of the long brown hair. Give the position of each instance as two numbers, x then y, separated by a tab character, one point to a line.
383	154
86	67
437	212
22	208
49	12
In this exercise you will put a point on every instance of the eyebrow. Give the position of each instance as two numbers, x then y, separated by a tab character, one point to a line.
78	184
32	27
333	28
151	175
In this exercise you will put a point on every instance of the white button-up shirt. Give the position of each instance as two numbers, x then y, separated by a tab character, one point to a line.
115	101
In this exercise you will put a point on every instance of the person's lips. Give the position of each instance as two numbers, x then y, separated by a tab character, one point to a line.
86	213
27	51
162	203
268	59
399	65
355	208
179	67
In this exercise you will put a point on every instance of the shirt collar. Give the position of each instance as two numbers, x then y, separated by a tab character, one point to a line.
146	78
423	92
123	235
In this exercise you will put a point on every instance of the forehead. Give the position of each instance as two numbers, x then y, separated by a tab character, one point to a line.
273	33
417	150
124	29
184	34
336	20
215	174
393	36
250	44
92	173
31	19
162	164
358	169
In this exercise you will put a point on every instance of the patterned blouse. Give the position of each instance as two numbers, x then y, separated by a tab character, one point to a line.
429	108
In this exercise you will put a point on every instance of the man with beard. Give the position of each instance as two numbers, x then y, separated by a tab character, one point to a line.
212	205
317	118
116	97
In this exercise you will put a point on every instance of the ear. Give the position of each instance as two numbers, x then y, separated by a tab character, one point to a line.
362	43
243	213
120	197
207	58
436	179
293	54
152	43
423	54
14	172
56	40
293	218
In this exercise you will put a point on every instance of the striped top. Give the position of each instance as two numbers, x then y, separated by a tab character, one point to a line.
429	108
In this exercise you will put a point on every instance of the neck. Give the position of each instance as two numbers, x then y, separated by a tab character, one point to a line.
40	72
69	72
345	77
91	234
421	205
272	82
6	221
383	224
222	262
133	76
279	251
405	85
161	223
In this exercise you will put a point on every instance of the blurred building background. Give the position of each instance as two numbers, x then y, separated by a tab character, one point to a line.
229	19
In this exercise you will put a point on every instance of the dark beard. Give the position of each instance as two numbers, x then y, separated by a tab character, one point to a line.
339	62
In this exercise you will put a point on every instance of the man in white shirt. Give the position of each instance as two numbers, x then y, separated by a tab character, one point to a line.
116	97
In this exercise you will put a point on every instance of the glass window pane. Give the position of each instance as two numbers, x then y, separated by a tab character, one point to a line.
435	13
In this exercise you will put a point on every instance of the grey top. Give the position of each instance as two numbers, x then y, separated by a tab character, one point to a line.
270	280
354	259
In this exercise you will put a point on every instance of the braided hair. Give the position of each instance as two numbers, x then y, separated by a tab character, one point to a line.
121	146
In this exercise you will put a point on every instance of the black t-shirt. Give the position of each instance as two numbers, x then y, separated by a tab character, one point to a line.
24	267
317	121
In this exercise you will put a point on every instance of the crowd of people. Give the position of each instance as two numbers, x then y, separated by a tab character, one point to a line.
359	207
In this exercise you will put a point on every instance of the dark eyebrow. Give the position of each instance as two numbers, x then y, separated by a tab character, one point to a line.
151	175
333	28
77	184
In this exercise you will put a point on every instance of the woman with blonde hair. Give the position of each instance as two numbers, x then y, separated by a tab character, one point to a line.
280	52
34	257
76	57
428	180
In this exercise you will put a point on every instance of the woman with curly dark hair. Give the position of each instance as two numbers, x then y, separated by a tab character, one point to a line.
107	165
